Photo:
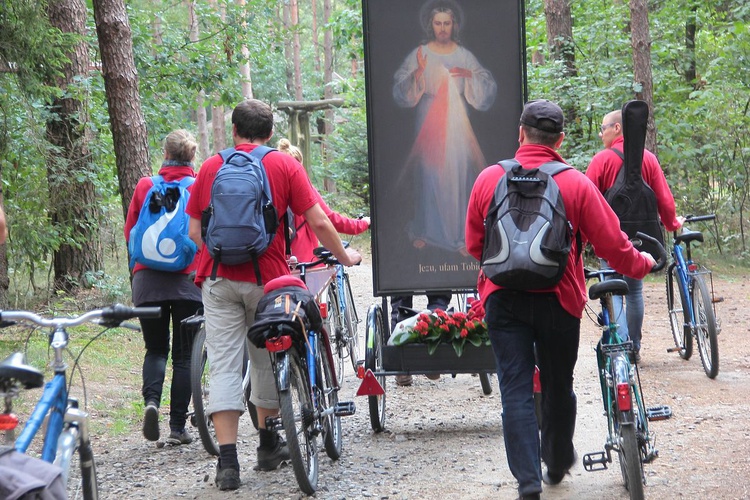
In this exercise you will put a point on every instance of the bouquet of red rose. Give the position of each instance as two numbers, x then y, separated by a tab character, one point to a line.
439	327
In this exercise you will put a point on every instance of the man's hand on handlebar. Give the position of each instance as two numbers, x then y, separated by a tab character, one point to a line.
650	258
353	258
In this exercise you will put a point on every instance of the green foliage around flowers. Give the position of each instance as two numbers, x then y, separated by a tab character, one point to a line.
442	328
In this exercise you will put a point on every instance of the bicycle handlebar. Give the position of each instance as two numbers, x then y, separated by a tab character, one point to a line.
661	261
111	316
699	218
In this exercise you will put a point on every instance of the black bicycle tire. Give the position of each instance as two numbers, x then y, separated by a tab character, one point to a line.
247	383
702	302
631	465
335	327
351	321
328	389
374	361
684	341
89	481
198	363
305	465
484	381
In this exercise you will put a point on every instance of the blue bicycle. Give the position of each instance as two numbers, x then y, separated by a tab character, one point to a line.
303	365
694	314
67	425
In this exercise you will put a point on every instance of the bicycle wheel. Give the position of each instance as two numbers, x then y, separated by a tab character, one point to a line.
351	321
630	461
89	484
79	470
705	327
328	397
200	389
335	327
679	315
247	387
374	361
297	417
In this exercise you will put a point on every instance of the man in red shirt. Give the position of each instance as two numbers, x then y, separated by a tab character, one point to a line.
603	171
230	301
549	318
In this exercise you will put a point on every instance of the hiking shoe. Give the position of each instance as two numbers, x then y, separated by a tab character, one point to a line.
552	477
227	479
180	437
151	422
404	380
530	496
270	458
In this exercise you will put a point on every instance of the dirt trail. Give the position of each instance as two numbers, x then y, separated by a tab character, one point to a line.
444	438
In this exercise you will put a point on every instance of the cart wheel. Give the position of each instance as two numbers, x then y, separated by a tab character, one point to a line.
374	339
484	379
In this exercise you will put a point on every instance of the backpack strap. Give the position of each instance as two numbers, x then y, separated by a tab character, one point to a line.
157	179
186	181
619	153
552	168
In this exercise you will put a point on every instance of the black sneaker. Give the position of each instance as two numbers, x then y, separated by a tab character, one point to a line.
270	458
553	477
227	479
180	437
151	422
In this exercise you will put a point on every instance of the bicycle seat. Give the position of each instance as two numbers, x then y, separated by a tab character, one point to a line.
14	367
688	236
614	287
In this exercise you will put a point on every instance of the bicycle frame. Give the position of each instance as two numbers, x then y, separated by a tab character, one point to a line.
684	276
59	446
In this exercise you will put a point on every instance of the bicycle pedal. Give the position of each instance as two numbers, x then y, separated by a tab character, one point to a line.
661	412
344	408
595	461
274	423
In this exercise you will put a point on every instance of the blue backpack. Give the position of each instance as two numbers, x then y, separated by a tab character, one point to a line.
241	221
159	240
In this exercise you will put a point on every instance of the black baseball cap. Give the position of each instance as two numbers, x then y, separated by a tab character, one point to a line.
544	115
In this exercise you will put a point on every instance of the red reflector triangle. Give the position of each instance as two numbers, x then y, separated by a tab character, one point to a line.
370	385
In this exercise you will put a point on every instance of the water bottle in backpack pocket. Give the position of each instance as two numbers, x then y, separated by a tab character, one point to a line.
159	240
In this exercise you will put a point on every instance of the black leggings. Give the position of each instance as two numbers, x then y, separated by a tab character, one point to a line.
156	336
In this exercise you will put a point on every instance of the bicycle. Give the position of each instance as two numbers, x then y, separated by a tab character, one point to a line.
694	316
303	364
200	387
622	395
342	318
67	425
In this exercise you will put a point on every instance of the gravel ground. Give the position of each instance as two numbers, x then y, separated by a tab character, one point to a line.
444	438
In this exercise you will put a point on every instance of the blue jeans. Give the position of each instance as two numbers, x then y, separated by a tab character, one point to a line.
632	326
517	322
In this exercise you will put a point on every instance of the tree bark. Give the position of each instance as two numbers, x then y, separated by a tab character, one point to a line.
691	30
329	184
121	86
643	80
296	47
74	204
288	51
560	33
200	99
247	82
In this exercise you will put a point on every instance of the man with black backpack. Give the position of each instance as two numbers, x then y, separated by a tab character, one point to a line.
232	288
603	172
548	317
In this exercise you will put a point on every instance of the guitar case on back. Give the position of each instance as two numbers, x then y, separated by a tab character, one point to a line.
630	197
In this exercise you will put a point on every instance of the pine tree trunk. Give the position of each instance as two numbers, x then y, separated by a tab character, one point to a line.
74	205
560	33
329	184
121	85
641	42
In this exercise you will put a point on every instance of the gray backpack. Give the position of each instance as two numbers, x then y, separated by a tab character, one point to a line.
23	477
241	221
527	235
